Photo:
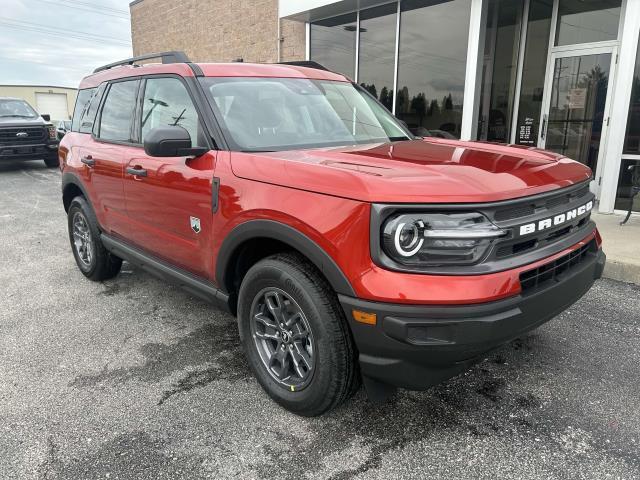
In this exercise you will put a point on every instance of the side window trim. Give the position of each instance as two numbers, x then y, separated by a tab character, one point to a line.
136	125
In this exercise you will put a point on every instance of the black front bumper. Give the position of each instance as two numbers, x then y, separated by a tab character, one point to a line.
417	346
29	152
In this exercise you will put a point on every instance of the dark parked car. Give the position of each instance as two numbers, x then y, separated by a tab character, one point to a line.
25	134
63	127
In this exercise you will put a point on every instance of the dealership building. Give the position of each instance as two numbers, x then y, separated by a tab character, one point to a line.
557	74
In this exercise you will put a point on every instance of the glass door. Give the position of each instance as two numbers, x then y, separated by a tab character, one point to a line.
576	103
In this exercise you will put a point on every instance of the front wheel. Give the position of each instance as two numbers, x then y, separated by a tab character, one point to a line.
295	336
51	162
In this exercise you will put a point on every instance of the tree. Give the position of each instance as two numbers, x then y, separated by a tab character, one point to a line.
386	98
370	88
419	106
447	102
434	109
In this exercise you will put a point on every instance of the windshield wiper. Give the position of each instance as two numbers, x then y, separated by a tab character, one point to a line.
17	116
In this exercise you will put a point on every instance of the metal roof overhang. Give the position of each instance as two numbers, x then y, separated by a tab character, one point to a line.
311	10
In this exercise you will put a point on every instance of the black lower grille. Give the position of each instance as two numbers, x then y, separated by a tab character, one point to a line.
539	277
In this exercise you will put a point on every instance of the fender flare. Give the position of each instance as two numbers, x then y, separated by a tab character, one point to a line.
69	178
286	234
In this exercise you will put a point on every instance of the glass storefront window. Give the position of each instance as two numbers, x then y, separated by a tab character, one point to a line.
629	178
432	64
333	43
584	21
533	71
377	51
499	70
632	138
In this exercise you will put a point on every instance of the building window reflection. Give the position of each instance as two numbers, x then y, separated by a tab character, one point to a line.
333	43
585	21
499	70
376	58
631	152
431	65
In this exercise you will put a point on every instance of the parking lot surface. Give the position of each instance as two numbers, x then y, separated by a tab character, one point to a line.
134	378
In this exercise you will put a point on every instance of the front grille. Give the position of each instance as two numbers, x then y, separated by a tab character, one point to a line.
538	278
531	207
13	135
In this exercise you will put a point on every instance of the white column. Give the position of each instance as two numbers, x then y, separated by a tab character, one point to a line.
307	40
473	74
620	105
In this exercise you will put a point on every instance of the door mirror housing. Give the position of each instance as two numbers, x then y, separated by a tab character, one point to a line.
46	117
171	141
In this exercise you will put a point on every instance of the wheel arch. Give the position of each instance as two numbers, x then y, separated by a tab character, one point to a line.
262	238
71	188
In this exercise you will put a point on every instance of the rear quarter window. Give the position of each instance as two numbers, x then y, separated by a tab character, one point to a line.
87	115
82	100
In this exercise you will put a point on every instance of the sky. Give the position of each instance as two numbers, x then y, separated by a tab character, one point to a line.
57	42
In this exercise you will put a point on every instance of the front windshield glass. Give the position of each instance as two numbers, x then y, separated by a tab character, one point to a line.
16	108
261	114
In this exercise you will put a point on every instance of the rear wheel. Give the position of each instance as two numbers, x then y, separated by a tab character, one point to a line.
93	260
295	335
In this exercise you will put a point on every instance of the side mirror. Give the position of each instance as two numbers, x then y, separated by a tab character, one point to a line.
46	117
171	141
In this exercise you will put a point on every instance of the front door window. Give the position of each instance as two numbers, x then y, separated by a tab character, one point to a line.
577	104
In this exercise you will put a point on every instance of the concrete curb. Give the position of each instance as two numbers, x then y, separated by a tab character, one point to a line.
624	272
622	246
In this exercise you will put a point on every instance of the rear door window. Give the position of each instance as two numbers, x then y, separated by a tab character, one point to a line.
117	113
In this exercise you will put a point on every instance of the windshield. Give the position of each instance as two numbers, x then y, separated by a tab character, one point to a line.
263	114
16	108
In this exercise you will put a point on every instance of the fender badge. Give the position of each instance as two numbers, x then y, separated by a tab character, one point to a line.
195	224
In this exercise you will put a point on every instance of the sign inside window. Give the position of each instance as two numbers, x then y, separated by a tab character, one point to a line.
577	98
526	132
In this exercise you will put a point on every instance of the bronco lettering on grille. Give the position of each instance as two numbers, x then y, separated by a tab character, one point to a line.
556	220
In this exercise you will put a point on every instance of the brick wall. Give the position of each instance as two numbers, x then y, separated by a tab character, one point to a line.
215	30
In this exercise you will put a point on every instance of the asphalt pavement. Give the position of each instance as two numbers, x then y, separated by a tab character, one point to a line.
134	378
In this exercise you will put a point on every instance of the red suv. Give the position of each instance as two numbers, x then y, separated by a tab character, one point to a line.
349	249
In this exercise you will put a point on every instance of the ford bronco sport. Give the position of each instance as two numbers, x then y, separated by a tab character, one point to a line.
350	250
26	135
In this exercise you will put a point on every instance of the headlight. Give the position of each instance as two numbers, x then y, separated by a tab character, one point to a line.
52	131
434	239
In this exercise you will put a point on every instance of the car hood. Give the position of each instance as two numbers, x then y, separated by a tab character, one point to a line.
418	171
21	122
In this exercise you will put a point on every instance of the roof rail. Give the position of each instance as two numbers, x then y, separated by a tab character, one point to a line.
306	63
167	57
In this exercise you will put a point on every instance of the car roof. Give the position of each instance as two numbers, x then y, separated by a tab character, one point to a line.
12	98
235	69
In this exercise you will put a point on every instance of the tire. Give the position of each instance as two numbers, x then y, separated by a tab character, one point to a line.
93	260
51	162
333	375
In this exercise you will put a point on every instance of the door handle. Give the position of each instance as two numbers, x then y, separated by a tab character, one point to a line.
88	161
138	171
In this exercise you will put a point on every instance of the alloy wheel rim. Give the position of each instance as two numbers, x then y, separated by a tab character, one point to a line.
283	338
82	240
